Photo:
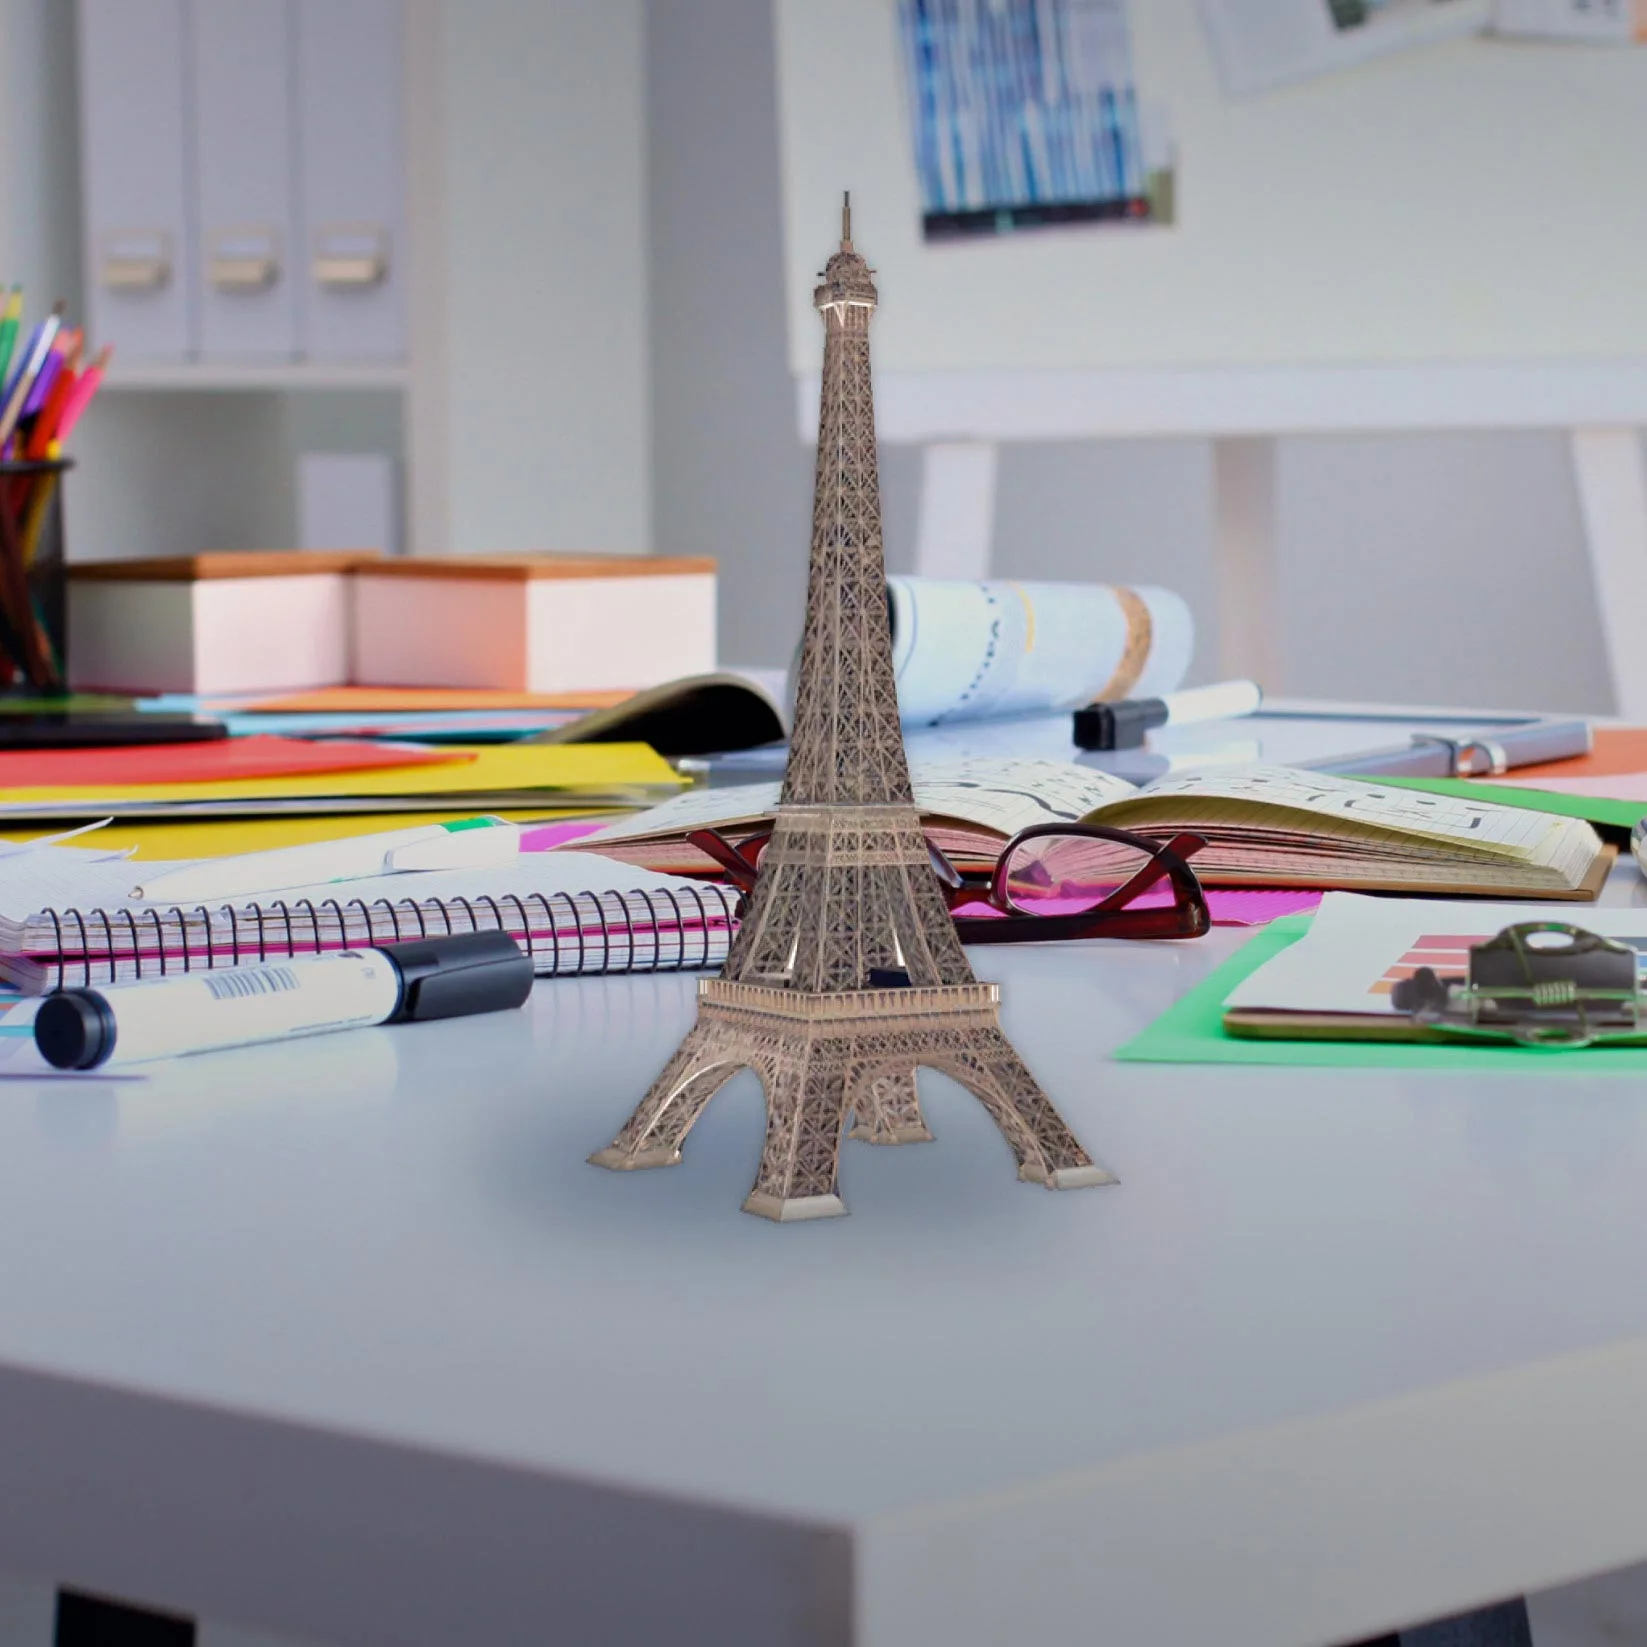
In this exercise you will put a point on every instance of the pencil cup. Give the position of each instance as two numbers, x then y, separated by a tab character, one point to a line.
33	578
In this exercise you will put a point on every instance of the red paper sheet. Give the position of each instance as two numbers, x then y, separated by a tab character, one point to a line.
257	757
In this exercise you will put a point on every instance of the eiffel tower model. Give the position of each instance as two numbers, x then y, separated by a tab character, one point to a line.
846	972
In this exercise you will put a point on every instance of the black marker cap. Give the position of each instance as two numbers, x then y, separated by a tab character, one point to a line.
453	976
1118	725
74	1029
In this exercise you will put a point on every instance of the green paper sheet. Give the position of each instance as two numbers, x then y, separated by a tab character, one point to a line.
1192	1032
1597	809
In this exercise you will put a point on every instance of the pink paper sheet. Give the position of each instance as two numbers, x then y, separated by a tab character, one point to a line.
1230	906
547	836
1244	906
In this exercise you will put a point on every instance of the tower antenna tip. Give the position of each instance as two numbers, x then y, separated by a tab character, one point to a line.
846	221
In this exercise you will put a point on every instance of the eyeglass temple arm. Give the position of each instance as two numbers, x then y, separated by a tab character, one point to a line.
739	868
1183	846
944	869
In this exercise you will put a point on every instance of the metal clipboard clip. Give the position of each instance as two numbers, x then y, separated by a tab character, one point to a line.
1468	757
1539	984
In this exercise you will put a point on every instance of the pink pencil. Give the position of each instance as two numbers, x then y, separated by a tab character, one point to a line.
80	395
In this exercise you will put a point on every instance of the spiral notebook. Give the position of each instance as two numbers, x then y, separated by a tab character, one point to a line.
66	918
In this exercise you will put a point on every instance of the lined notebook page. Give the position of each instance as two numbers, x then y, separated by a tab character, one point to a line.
59	877
1263	799
1004	796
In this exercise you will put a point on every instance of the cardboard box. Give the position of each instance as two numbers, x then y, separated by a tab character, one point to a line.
233	621
534	623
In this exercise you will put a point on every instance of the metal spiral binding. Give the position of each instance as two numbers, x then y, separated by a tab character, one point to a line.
566	934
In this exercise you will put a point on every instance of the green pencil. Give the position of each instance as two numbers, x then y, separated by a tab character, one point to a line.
11	317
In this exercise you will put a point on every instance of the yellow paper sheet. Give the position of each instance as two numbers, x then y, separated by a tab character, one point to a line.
554	768
222	837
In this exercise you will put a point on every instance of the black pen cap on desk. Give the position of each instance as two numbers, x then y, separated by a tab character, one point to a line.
74	1029
454	976
1118	725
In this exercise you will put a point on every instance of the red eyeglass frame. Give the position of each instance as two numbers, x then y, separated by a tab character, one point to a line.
1187	916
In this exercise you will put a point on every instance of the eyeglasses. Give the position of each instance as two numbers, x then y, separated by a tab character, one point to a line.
1051	881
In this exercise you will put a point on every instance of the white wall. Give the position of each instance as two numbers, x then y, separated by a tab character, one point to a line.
545	274
1414	568
1377	216
730	477
39	233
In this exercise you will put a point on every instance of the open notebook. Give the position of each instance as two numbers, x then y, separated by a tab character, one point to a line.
66	918
1264	825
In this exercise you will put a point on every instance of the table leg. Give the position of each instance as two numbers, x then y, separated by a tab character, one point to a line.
957	519
91	1621
1505	1625
1245	560
1610	468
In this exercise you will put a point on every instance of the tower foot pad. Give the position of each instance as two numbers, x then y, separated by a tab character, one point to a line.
890	1135
1068	1177
622	1160
795	1209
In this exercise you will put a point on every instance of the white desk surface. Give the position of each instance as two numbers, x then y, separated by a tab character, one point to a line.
344	1338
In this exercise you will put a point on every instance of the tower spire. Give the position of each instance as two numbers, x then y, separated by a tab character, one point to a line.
846	971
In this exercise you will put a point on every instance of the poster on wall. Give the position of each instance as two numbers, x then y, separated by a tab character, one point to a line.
1025	114
1262	44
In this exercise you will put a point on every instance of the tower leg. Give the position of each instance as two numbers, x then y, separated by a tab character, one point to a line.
888	1110
1046	1150
805	1113
653	1135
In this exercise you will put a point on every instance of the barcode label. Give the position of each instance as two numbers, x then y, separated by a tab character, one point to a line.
273	980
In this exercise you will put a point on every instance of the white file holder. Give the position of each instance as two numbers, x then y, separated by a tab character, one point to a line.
250	252
136	112
350	67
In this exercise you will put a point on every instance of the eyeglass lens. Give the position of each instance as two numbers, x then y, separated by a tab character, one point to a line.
1065	874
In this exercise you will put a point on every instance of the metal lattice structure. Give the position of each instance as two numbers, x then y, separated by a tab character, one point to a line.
846	908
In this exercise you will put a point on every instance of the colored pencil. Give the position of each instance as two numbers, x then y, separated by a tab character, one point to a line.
11	317
43	392
43	432
20	631
23	380
45	377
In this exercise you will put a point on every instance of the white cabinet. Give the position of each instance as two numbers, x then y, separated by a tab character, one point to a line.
243	179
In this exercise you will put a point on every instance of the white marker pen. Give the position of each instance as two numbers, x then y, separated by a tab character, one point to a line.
1123	725
238	1006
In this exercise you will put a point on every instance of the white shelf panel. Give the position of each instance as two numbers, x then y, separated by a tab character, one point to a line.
229	376
1092	404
